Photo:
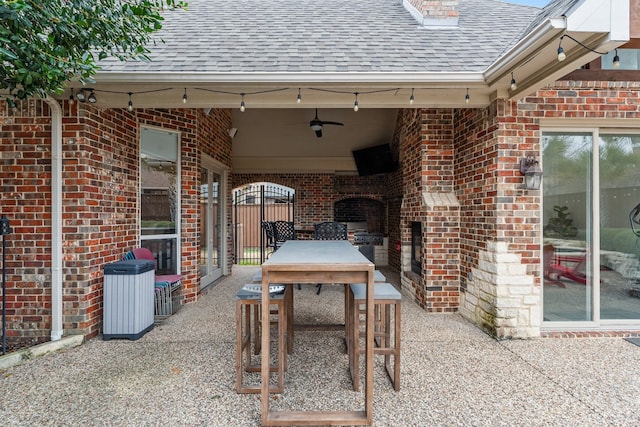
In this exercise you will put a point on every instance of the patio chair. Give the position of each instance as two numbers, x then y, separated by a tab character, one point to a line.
329	231
558	266
267	227
283	231
168	287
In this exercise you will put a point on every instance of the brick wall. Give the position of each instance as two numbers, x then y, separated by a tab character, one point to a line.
426	144
500	220
316	194
25	174
100	204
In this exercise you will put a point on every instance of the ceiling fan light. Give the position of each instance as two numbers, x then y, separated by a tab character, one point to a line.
316	127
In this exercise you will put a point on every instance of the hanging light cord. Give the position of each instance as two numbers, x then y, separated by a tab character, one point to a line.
581	44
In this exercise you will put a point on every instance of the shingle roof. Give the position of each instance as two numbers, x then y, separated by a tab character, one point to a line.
360	36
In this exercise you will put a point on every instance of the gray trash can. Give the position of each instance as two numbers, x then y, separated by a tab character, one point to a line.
128	301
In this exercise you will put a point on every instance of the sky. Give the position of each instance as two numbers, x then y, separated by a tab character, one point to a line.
538	3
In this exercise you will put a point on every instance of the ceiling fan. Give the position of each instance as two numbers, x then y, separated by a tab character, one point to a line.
316	124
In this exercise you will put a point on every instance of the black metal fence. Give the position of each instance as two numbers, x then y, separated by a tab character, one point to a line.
253	204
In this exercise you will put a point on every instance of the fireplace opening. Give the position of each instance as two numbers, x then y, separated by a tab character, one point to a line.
416	247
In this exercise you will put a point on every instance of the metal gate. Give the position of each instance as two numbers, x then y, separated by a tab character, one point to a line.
252	204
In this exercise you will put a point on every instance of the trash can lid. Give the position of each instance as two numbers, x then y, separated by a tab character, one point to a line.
128	267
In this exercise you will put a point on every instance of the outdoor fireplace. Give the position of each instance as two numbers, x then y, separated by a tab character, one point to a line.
416	247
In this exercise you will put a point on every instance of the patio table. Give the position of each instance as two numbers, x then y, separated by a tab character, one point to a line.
311	262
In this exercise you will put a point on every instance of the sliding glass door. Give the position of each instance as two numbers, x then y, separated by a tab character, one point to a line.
591	247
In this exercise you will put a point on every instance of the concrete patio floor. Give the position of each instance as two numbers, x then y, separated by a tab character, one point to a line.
183	372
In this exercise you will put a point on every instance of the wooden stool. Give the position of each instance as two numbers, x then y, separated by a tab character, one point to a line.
248	302
378	277
257	278
387	339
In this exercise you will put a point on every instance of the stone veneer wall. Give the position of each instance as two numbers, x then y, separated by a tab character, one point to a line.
100	204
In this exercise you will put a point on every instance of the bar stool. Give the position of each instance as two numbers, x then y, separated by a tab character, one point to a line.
248	302
386	338
257	278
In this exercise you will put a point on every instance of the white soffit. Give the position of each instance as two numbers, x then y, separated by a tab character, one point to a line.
601	25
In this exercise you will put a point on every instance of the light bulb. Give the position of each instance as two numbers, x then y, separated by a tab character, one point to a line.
616	60
242	108
514	86
299	98
355	106
130	106
561	55
411	98
467	98
184	97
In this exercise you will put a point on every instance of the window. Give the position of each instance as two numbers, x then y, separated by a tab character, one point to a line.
160	197
629	59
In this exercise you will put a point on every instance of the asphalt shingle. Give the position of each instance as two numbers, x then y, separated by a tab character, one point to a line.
292	36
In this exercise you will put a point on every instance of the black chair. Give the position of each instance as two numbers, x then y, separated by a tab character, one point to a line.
329	231
283	231
267	227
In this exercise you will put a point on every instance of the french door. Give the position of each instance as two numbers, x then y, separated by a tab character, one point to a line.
212	229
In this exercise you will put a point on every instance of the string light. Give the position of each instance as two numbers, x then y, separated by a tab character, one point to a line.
130	105
92	97
242	107
299	98
355	104
616	60
72	99
514	86
184	97
467	98
561	55
411	98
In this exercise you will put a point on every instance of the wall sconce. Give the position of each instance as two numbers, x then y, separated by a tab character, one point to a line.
530	168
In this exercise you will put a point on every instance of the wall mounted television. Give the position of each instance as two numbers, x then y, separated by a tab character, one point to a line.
374	160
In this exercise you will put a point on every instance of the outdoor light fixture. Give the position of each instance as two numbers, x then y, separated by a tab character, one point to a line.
130	105
616	60
355	104
561	55
184	97
530	168
411	98
514	86
466	97
242	106
299	98
83	97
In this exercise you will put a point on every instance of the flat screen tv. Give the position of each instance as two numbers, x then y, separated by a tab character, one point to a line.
374	160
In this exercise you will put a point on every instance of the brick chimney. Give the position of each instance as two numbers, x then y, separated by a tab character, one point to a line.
434	13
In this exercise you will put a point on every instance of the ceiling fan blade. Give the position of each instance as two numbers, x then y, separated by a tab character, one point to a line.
333	123
319	133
